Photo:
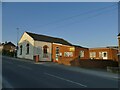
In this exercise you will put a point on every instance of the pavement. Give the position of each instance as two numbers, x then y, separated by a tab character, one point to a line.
22	73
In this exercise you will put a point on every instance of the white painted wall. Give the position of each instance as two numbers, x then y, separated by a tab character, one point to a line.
25	39
24	50
35	48
38	50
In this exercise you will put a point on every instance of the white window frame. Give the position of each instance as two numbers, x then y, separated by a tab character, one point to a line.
92	54
68	54
82	53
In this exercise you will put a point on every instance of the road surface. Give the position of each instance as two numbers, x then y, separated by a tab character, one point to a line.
26	74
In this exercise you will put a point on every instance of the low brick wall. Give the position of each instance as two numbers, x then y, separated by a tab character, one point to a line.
94	63
66	61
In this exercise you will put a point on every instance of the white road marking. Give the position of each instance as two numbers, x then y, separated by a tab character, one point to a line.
38	63
24	67
65	79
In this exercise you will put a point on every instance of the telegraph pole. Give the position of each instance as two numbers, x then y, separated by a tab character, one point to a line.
17	35
17	40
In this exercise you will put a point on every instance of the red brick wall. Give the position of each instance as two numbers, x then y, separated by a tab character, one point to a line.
114	54
62	49
65	48
86	52
111	53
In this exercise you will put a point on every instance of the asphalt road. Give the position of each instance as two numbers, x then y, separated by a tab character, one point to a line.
23	74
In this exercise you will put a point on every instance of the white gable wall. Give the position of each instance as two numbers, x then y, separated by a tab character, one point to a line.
25	39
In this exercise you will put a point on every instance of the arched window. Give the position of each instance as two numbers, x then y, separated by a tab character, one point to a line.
45	52
27	48
20	49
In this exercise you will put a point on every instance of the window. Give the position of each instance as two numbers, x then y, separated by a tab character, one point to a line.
57	53
45	49
92	54
65	54
57	50
45	52
27	48
104	54
81	53
20	49
68	54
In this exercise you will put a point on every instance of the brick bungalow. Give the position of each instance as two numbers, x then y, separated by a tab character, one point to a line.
67	53
105	53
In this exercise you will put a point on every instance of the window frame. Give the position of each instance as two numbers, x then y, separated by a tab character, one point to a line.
82	53
57	50
92	54
45	51
21	46
28	48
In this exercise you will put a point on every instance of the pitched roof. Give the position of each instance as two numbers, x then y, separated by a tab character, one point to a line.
108	47
79	46
9	43
112	47
45	38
